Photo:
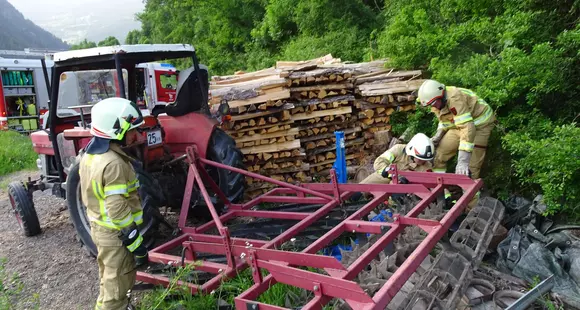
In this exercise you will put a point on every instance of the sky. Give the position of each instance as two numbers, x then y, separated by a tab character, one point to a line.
75	20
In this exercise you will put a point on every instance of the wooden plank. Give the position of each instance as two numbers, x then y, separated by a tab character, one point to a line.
321	87
322	113
255	114
277	134
389	88
388	75
277	147
237	78
276	95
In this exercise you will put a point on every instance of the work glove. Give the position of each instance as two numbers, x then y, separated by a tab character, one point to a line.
438	136
385	174
463	163
132	239
403	180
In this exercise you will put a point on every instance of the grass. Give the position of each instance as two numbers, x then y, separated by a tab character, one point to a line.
11	288
16	153
177	297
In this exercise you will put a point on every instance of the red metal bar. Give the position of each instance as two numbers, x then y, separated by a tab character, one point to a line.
209	225
164	281
302	225
186	203
269	180
334	287
293	258
293	199
366	227
273	214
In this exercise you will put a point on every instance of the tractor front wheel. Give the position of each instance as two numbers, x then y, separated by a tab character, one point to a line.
80	220
23	208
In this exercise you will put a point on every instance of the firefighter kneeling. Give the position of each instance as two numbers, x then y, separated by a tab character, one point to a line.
109	191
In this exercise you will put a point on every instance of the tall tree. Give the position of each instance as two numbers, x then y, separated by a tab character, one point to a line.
109	41
83	44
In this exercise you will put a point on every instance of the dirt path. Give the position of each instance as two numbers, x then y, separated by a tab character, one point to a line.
51	264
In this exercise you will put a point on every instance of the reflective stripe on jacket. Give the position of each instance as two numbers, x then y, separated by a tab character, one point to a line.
396	155
464	111
109	189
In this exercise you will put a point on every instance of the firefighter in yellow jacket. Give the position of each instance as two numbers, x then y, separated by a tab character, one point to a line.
413	156
109	191
465	124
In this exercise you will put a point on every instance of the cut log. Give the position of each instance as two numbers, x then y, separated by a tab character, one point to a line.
261	121
276	134
330	155
252	123
305	116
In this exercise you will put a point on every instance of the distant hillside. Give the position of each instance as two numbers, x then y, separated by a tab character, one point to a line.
17	32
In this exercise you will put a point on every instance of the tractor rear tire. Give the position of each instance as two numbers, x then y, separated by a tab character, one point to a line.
222	149
23	207
80	219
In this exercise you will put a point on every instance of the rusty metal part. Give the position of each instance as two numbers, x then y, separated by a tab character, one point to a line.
505	298
477	229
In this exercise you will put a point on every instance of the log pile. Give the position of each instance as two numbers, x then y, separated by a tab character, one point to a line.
284	117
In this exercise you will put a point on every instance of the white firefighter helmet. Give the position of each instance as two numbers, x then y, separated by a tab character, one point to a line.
430	91
111	118
420	147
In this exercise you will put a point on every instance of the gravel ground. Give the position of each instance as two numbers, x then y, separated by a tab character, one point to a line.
52	264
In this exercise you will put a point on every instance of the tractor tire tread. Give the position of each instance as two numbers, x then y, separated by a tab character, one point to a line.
25	208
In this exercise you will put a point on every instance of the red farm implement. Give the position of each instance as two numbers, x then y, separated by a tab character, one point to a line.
333	281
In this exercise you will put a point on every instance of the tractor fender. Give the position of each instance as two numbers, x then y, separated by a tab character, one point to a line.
186	130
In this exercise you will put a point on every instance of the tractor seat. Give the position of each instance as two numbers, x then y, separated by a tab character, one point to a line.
77	133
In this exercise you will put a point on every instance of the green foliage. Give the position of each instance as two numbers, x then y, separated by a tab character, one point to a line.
16	152
552	163
521	57
83	44
109	41
11	291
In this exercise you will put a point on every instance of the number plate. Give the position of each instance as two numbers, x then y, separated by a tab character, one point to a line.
154	137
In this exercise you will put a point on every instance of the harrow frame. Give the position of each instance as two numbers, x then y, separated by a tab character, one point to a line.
282	265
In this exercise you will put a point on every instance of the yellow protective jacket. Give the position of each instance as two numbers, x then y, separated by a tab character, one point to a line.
109	189
396	155
464	111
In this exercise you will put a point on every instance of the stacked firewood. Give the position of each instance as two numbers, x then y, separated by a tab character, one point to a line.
284	118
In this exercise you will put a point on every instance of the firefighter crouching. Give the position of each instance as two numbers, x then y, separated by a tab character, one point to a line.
465	124
413	156
109	191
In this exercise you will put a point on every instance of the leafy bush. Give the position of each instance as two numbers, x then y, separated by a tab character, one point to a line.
552	163
16	152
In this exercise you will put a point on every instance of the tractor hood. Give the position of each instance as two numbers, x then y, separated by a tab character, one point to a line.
189	97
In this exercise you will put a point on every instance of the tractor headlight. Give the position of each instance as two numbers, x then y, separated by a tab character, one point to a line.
39	163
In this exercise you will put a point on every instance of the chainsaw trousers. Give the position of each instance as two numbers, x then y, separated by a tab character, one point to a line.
116	270
449	145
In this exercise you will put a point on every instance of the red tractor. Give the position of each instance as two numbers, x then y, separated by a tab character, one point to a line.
160	149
